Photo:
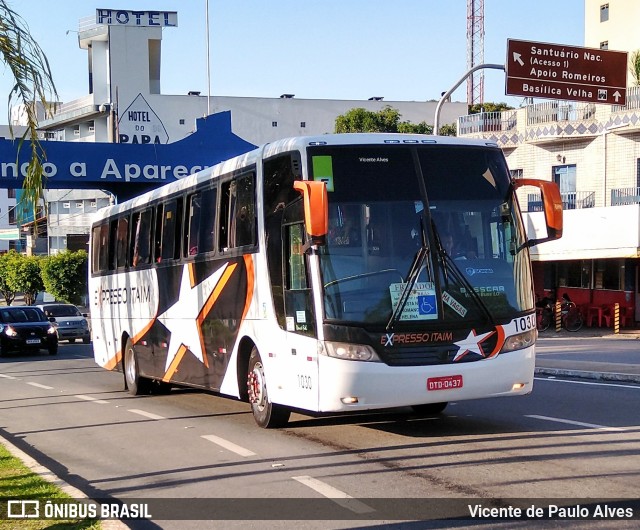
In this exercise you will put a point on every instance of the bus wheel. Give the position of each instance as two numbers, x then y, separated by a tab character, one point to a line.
430	409
266	414
134	382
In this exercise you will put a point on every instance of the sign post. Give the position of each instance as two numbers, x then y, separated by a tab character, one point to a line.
572	73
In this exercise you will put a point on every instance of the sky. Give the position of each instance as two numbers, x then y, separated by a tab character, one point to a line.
401	50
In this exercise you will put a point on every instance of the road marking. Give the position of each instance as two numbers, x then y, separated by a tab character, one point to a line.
5	376
230	446
146	414
337	496
554	379
38	385
91	398
578	423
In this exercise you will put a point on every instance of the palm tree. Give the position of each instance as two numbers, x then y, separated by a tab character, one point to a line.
33	83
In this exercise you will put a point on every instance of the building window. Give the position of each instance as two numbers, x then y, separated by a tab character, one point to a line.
11	193
274	124
604	45
66	205
609	274
303	124
604	12
181	121
516	173
574	273
78	205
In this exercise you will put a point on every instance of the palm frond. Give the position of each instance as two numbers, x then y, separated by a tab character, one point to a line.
33	83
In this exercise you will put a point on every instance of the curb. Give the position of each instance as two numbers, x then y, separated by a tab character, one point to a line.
49	476
583	374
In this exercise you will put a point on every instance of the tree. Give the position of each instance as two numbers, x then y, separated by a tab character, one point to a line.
24	277
7	264
634	66
65	275
488	107
29	67
359	120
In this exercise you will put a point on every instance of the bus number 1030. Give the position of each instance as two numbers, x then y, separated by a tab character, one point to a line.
305	382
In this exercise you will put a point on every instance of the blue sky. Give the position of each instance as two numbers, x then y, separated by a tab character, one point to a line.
326	49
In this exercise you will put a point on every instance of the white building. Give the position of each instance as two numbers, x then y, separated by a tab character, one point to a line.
593	152
125	104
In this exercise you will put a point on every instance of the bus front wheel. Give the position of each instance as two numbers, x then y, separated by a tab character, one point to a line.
266	414
134	382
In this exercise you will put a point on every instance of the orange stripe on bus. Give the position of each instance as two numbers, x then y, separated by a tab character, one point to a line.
173	367
248	263
111	365
213	297
192	275
499	342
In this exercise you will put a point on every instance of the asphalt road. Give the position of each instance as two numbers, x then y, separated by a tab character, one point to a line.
191	452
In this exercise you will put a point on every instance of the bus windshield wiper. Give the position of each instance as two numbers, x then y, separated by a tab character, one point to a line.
412	278
449	266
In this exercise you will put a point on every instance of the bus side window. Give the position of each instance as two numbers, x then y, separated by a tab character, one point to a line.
140	238
194	205
238	213
206	230
169	240
100	248
121	242
157	233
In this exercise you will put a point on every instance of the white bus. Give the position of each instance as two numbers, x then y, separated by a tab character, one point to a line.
325	274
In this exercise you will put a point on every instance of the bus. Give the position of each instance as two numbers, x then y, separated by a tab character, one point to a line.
344	272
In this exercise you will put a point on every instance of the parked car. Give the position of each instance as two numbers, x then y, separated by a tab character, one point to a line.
26	328
71	323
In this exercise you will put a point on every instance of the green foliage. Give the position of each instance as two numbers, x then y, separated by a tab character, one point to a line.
359	120
488	107
449	129
24	277
65	275
634	67
33	83
6	264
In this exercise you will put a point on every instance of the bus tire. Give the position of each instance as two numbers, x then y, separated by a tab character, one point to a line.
266	414
430	409
134	382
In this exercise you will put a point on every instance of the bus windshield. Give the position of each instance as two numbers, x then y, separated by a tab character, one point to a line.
422	234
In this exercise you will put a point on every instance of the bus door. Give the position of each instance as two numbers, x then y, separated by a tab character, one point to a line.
300	318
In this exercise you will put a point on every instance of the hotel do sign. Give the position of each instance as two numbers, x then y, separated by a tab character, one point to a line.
572	73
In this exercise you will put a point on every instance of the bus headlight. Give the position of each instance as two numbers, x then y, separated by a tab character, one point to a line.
350	352
520	341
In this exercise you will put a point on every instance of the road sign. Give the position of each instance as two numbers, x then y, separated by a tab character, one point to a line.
536	69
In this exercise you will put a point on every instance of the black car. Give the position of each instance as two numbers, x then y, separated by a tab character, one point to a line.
26	328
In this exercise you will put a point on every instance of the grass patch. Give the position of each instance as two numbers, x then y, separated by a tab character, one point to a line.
18	482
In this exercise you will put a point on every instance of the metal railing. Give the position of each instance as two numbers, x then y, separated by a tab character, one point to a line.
633	100
623	196
554	111
572	200
487	122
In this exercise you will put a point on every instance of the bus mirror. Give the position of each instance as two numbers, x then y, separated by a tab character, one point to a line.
551	205
316	209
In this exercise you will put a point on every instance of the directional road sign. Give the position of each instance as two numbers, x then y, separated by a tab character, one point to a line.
536	69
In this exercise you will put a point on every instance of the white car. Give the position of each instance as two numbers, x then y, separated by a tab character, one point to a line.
69	321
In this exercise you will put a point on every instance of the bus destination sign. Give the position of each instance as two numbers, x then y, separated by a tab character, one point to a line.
554	71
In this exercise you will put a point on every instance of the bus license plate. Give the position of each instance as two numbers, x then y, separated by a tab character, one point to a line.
447	382
33	341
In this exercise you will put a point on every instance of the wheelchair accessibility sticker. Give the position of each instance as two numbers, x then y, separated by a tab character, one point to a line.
421	303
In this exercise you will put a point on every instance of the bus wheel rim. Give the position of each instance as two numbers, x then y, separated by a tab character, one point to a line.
255	384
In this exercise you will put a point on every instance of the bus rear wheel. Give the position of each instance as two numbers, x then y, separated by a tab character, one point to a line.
134	382
266	414
430	409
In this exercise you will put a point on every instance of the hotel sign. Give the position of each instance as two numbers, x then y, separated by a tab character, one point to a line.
124	17
554	71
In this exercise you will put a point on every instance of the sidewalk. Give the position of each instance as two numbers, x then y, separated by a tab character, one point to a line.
615	368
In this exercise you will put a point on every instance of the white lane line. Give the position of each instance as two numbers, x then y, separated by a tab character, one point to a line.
572	422
5	376
554	379
229	446
92	399
337	496
146	414
38	385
